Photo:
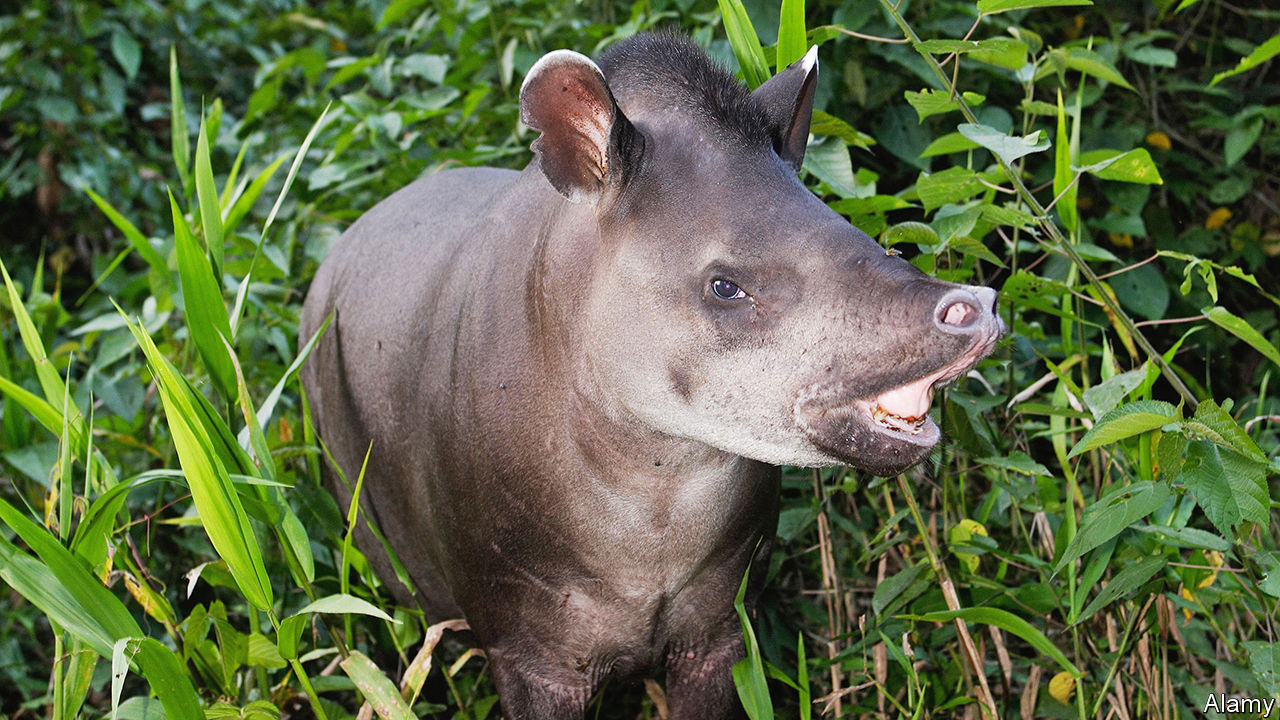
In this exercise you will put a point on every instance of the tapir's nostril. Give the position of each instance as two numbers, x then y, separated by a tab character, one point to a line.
964	309
960	313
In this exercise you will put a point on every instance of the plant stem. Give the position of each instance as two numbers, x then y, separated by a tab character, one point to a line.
967	647
1046	223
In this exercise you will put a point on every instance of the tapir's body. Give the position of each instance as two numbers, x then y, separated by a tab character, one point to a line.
573	379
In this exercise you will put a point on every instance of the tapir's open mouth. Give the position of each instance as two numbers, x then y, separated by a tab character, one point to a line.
889	431
904	410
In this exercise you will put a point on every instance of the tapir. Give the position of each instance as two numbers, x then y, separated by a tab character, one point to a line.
575	383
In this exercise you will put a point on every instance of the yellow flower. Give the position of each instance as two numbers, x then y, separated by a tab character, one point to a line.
1217	219
1062	687
1159	140
1214	558
1124	240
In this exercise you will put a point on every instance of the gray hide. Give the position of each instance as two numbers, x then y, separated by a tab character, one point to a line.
578	380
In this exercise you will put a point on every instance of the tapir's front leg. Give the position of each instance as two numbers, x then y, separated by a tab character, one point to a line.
700	677
527	697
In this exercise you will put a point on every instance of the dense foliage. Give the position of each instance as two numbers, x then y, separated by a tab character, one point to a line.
1095	538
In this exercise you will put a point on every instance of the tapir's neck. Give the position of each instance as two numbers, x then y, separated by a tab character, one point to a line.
614	444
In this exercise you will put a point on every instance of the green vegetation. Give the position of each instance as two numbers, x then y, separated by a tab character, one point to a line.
1096	538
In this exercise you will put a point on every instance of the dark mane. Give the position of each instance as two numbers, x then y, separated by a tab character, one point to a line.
670	69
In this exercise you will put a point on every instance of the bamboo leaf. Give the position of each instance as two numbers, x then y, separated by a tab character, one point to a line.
178	120
207	195
745	42
207	319
379	691
131	233
1008	622
991	7
792	39
1109	516
1260	54
221	513
343	604
1124	582
1237	326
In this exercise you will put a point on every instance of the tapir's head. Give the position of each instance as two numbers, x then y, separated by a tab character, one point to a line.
726	303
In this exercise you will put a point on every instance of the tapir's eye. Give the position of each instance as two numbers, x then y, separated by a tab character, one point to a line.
726	289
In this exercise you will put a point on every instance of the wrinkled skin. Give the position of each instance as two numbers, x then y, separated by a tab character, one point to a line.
574	438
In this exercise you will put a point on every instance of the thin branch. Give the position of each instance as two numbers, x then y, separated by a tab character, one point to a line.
1051	228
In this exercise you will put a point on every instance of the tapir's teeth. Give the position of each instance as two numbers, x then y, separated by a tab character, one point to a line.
889	420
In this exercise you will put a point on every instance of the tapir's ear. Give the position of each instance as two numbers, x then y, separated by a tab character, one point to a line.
788	99
586	141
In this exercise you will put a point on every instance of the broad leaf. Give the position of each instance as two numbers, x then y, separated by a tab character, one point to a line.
1229	487
1126	421
1109	516
1007	148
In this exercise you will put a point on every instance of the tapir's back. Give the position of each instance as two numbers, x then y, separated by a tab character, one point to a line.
393	283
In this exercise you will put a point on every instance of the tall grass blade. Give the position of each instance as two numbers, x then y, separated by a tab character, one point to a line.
178	122
792	40
135	237
745	42
207	320
61	581
50	381
219	507
207	195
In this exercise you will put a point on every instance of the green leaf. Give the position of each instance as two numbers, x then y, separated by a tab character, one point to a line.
1104	397
1065	187
1092	64
1126	421
947	186
210	210
127	52
947	144
134	236
933	102
1260	54
178	120
745	42
169	680
792	39
377	689
207	321
1109	516
263	653
220	511
1134	166
342	604
828	124
1185	537
1264	660
1239	140
991	7
910	232
1229	487
1124	582
1017	462
1008	622
1005	147
828	160
893	587
1216	424
1237	326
